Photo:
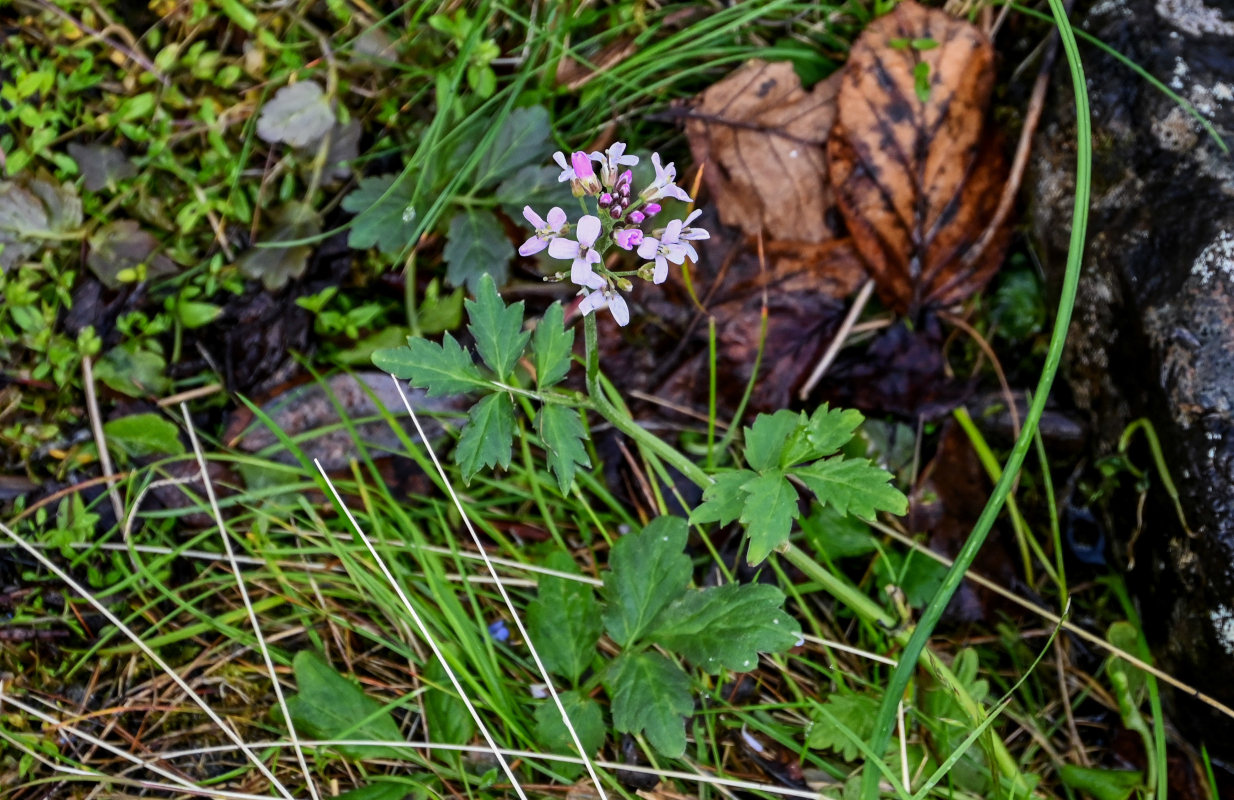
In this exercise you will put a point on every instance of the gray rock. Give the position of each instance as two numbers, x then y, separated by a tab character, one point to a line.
1153	332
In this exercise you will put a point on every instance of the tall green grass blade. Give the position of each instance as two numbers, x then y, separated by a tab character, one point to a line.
964	559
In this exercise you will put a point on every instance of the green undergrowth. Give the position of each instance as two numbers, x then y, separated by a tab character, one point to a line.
195	174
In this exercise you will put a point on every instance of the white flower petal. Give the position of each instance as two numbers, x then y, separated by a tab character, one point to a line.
563	248
661	273
532	217
591	302
588	230
621	312
532	246
649	247
556	218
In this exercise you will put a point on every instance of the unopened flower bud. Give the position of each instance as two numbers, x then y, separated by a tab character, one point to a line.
651	209
636	217
584	173
647	271
628	238
615	212
606	200
624	284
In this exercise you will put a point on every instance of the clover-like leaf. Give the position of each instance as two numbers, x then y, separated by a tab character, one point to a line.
768	514
551	346
852	486
647	571
439	369
564	620
476	246
385	213
497	328
298	115
651	694
561	431
487	438
727	626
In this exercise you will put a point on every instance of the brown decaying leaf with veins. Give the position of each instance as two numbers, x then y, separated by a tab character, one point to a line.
761	138
916	176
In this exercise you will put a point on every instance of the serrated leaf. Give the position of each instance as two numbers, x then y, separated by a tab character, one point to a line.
439	369
486	439
297	114
561	431
551	347
564	620
727	626
525	137
647	571
586	717
854	711
140	435
826	431
447	716
724	500
476	246
766	438
651	695
853	486
770	508
536	186
497	328
328	706
385	215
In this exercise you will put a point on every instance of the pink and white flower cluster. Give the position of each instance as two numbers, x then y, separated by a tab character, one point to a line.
618	220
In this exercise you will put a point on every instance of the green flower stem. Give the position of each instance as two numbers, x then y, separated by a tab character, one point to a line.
622	421
839	588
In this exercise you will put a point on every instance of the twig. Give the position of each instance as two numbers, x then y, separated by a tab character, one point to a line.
100	441
838	340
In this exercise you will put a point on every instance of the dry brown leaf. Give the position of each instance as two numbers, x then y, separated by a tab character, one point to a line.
574	75
760	136
917	178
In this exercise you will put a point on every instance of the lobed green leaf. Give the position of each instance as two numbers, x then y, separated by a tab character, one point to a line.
564	620
487	437
647	571
726	627
768	514
651	694
551	347
561	430
497	328
439	369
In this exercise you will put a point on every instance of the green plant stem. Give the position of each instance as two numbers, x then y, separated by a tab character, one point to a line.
623	422
885	721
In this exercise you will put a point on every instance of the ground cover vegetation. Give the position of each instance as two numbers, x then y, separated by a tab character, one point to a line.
660	557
